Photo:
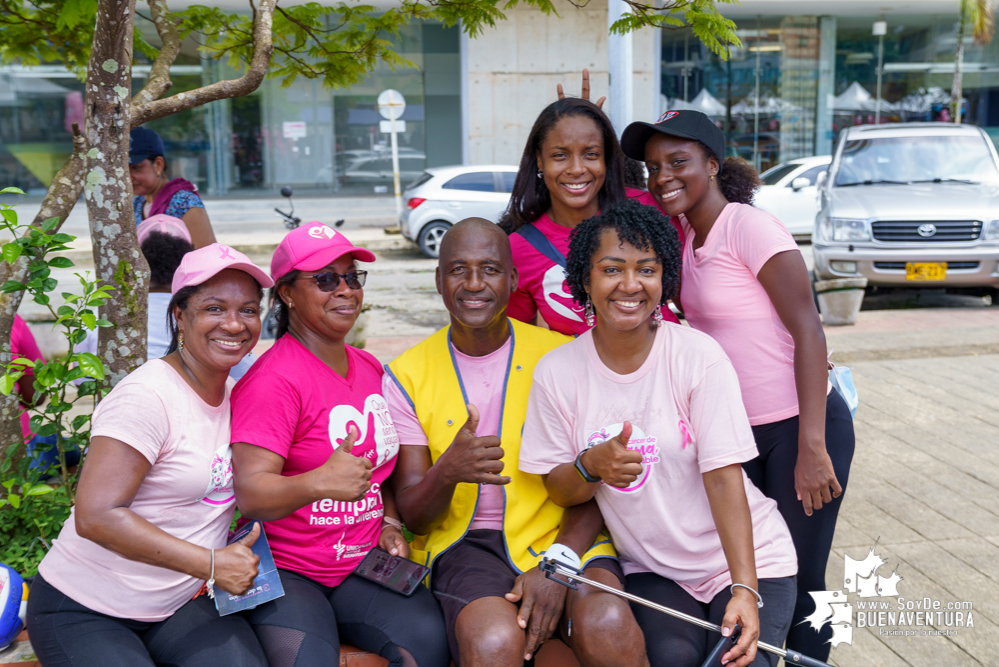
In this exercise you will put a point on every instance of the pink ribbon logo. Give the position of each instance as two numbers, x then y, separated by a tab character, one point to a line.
225	252
686	434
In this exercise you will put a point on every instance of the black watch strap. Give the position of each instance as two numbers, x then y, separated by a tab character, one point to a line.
581	469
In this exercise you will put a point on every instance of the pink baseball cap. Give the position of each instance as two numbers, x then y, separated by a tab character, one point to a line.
311	247
166	224
204	263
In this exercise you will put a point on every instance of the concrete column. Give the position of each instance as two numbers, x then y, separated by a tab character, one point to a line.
827	85
620	59
466	126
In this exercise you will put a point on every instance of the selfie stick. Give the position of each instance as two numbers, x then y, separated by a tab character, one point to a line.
572	575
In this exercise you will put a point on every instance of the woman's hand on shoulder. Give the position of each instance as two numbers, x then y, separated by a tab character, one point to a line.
236	566
392	541
742	609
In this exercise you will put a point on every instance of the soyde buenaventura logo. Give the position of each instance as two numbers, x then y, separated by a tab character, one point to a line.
870	582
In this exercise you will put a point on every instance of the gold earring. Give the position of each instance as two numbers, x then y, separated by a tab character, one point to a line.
712	179
180	341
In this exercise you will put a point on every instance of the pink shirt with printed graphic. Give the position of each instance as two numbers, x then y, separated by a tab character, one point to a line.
541	282
687	418
187	493
483	379
294	405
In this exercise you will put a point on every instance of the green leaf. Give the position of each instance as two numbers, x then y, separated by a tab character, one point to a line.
95	303
92	365
42	299
12	286
90	320
11	191
66	310
5	466
6	384
15	500
104	323
70	297
39	490
61	263
80	421
9	215
10	252
48	429
49	284
49	224
62	238
79	336
22	361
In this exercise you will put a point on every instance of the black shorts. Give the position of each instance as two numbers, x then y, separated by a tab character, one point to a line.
477	567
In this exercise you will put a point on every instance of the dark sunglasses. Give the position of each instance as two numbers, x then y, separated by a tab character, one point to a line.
329	280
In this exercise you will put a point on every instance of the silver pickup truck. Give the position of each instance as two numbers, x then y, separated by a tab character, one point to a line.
911	205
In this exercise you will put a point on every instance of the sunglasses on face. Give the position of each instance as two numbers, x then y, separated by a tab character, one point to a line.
329	280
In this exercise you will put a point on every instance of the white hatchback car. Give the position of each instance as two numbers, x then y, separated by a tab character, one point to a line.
789	193
443	196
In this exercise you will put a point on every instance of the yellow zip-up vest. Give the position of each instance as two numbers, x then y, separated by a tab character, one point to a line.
428	376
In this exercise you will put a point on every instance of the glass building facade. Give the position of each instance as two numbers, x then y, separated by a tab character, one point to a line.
798	80
302	135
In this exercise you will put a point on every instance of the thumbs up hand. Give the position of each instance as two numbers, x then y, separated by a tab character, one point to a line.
236	565
613	462
472	459
344	476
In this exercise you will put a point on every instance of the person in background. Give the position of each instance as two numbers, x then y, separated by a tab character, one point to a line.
572	167
164	240
458	401
646	417
745	283
313	448
155	193
119	587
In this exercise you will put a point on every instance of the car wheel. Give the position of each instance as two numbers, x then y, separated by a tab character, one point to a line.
431	236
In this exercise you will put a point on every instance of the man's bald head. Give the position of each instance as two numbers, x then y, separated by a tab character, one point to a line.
479	233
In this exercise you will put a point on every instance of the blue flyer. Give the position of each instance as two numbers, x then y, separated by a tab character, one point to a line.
266	587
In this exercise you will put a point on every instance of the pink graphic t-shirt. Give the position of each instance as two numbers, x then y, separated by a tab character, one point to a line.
187	493
687	419
722	297
541	284
483	379
294	405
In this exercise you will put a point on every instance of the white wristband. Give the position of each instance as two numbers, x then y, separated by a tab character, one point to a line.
563	554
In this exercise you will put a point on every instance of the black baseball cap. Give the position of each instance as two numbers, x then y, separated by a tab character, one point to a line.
144	144
687	124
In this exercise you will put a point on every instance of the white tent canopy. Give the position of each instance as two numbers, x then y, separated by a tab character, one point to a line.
768	105
707	103
856	98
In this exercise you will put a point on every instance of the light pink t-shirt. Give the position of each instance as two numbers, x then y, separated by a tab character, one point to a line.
187	493
541	282
722	297
294	405
687	418
483	379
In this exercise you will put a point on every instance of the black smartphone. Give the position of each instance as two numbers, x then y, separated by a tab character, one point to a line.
393	572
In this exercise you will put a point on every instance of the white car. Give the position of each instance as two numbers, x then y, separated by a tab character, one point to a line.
789	193
443	196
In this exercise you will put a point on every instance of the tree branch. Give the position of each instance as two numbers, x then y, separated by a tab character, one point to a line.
263	46
159	75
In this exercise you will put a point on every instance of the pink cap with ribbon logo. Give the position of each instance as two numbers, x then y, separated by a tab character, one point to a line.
204	263
313	247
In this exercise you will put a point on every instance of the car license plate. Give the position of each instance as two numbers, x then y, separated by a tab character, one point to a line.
926	271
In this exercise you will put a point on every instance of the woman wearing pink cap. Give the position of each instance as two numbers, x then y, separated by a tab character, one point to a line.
313	448
155	499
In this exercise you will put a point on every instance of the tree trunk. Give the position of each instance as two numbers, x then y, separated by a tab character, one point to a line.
956	91
117	258
59	200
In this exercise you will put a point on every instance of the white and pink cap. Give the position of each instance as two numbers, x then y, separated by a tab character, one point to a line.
166	224
202	264
312	247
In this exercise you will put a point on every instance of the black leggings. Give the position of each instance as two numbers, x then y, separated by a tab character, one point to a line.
773	473
304	628
64	633
671	642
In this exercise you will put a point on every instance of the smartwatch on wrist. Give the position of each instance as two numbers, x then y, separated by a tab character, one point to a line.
581	469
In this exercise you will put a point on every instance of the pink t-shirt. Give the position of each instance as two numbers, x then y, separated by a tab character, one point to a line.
187	493
294	405
483	379
722	297
687	419
22	344
541	282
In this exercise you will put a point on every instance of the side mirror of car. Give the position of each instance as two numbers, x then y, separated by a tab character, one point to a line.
820	180
799	183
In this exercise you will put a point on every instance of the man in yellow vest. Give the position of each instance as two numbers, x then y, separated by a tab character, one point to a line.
458	400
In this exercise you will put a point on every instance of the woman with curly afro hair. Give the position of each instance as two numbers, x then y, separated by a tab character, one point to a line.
745	284
572	168
652	409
